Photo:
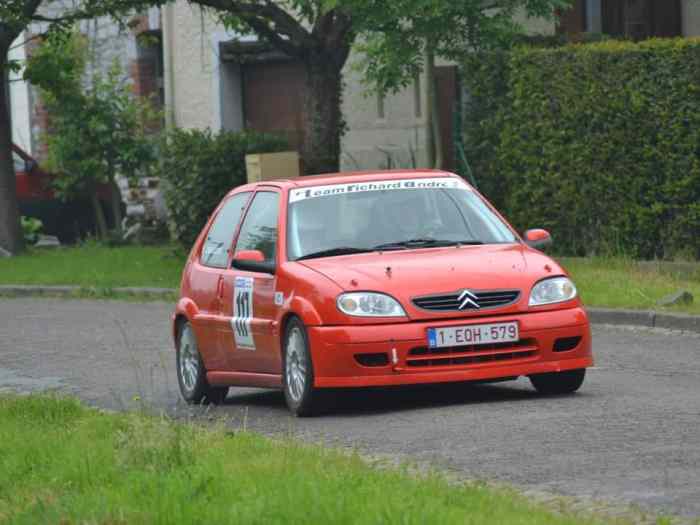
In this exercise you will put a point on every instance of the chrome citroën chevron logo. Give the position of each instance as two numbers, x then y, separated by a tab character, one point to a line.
467	298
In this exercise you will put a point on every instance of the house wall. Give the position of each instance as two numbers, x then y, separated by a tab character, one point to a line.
197	82
20	106
690	12
109	43
375	140
400	133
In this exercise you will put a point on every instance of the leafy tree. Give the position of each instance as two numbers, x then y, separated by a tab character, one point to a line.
402	38
321	33
320	37
15	17
99	128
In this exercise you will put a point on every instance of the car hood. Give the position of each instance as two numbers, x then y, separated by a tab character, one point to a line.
411	273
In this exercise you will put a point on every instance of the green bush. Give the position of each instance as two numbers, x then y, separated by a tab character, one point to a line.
200	167
598	143
31	228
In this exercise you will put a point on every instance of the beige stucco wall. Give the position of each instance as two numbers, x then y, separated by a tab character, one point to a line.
691	17
535	26
20	103
375	142
191	61
369	137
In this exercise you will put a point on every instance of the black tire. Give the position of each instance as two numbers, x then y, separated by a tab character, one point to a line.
191	375
302	399
558	383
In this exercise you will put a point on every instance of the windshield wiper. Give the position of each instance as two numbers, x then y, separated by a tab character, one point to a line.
424	243
340	250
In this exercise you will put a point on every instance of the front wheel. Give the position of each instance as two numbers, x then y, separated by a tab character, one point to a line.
298	371
558	383
191	374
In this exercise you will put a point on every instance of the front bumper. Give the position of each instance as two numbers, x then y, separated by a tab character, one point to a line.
334	351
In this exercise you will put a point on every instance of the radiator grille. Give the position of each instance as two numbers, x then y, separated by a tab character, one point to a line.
467	300
472	354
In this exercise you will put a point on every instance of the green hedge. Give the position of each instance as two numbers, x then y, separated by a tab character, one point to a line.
598	143
200	168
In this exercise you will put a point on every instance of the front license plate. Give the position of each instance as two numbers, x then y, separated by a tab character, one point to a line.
473	334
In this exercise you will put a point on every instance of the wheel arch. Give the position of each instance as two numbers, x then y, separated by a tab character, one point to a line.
185	311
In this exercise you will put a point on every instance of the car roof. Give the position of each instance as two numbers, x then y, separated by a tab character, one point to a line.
346	177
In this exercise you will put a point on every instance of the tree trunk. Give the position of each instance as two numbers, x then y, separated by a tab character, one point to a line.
116	197
11	238
433	136
323	121
429	63
100	222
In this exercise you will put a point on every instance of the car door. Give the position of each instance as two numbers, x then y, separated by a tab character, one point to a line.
206	280
249	296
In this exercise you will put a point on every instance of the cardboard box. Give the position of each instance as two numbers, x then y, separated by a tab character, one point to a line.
271	166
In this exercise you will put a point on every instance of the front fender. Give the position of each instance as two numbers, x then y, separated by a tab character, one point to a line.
306	311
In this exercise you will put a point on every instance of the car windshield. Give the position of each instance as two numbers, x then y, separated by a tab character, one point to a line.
389	215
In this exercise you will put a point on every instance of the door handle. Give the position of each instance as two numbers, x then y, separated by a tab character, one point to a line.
220	287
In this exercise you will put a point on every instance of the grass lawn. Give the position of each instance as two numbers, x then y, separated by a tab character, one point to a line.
95	266
621	283
63	463
605	282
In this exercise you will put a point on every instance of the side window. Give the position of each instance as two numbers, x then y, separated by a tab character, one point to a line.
259	230
220	236
18	162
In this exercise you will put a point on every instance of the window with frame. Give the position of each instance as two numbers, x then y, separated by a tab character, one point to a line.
259	229
220	236
633	19
18	162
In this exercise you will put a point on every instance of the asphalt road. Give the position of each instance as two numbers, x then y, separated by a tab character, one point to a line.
632	434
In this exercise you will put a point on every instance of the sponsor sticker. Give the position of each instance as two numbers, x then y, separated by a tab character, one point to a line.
312	192
243	313
279	298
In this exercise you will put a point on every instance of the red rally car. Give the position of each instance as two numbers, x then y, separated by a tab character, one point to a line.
368	279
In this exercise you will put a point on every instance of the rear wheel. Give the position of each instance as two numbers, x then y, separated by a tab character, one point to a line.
298	371
191	374
558	383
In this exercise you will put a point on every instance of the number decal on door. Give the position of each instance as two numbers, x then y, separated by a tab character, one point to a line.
243	312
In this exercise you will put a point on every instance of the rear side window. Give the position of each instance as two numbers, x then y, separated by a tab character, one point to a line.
220	236
259	230
18	162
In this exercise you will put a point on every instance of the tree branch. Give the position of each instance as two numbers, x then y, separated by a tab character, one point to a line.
261	18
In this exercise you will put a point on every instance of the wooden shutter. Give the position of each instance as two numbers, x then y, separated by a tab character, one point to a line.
662	18
666	18
613	12
573	20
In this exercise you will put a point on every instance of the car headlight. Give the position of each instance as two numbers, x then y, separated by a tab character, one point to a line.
369	304
554	290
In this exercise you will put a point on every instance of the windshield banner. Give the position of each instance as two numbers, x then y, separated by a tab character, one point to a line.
380	185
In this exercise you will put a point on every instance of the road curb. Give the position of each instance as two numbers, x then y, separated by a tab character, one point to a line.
647	318
22	290
612	316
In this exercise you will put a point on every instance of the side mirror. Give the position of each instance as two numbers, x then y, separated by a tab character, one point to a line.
252	261
538	238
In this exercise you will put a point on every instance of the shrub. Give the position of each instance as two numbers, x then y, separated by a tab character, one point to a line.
31	228
599	143
200	167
